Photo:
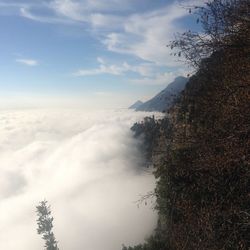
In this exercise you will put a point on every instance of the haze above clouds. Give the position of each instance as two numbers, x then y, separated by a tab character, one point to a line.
86	164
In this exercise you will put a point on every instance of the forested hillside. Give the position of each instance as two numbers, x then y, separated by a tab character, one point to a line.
200	151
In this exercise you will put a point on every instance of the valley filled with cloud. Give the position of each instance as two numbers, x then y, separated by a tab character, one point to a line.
87	165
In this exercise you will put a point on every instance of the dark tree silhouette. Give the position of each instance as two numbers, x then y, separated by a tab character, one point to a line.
203	165
45	225
225	25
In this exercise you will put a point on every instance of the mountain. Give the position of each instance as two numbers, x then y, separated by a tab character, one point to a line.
136	105
166	97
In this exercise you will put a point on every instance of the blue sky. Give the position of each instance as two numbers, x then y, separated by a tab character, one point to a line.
110	53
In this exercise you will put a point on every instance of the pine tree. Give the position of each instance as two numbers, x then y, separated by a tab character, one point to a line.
45	225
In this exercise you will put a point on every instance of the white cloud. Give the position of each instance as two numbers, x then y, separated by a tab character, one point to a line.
69	8
103	69
86	164
145	69
147	72
100	60
26	12
143	35
77	11
28	62
109	22
121	29
146	35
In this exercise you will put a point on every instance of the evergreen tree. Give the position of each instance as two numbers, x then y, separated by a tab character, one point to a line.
45	225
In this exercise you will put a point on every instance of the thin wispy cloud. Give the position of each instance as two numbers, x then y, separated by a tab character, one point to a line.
26	12
28	62
138	34
124	28
103	68
144	69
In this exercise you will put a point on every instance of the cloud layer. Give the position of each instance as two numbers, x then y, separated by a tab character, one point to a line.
86	164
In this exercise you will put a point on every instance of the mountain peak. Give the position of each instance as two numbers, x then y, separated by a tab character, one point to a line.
136	105
163	100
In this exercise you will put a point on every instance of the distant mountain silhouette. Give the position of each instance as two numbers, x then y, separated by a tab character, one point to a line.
136	105
162	101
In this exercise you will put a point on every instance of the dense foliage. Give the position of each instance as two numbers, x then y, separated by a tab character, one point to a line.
225	25
201	151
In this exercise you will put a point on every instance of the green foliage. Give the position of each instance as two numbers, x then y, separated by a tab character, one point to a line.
45	225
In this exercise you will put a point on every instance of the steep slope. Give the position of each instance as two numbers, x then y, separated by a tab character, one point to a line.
166	97
201	151
204	173
201	157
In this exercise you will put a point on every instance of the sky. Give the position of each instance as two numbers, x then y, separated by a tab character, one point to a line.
89	52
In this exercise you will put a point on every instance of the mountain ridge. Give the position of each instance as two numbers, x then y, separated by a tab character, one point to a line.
164	99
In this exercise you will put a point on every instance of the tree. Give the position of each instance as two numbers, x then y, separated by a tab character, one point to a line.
225	25
45	225
204	182
204	169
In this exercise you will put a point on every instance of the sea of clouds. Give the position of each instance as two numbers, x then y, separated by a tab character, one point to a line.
87	165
